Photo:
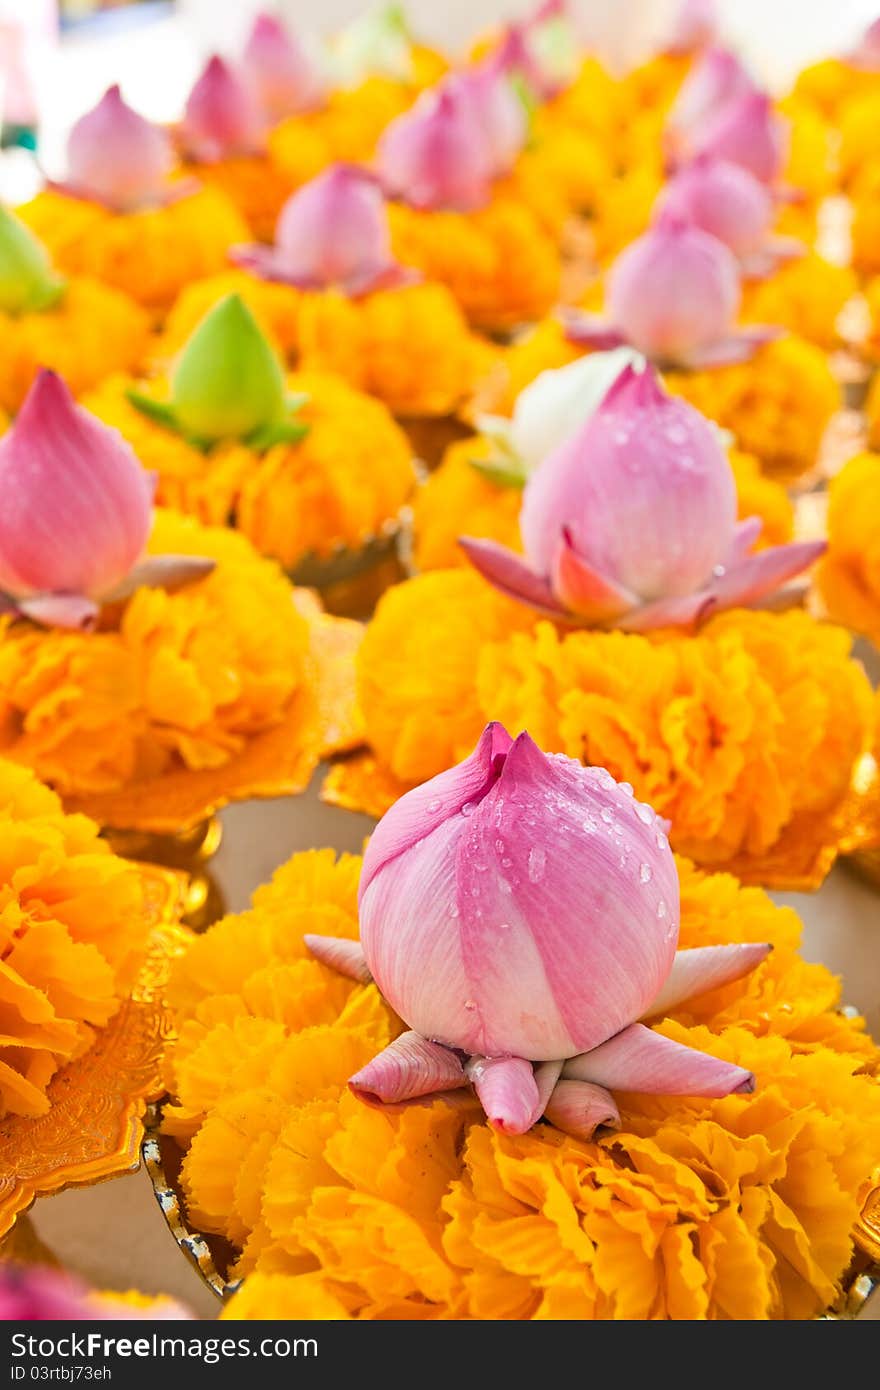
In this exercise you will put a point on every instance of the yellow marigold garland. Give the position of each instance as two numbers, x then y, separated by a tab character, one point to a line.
347	478
183	680
737	1208
713	730
457	500
346	128
806	297
849	575
501	265
72	935
150	255
865	227
91	331
832	84
253	184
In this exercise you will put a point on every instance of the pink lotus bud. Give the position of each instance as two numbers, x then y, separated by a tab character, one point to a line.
222	117
866	54
748	132
520	913
695	27
283	74
332	232
497	110
632	521
723	199
436	155
495	917
116	157
716	79
75	512
32	1293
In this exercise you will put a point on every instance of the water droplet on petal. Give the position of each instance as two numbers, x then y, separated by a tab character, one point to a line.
645	873
470	1005
645	813
467	808
661	909
537	864
434	804
719	571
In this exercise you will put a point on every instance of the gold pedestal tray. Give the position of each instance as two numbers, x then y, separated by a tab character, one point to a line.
189	852
93	1128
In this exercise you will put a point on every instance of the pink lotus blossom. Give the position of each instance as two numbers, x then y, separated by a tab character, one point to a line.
520	912
116	157
716	80
729	203
673	294
75	514
631	523
747	131
694	28
332	232
436	155
282	72
222	117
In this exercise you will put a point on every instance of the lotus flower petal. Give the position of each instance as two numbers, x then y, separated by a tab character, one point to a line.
695	27
557	402
425	809
222	117
332	232
592	331
506	1089
748	131
866	55
168	572
716	79
644	489
745	538
703	968
754	576
497	110
228	382
638	1059
477	934
408	1068
723	199
674	291
27	282
285	76
117	157
435	155
740	346
686	611
60	610
578	1108
75	504
585	591
546	1076
512	575
340	953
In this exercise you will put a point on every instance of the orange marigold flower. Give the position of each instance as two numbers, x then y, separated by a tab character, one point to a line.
457	500
856	152
253	184
501	265
865	225
184	680
831	84
849	575
346	128
810	167
72	935
806	297
421	1211
339	485
150	255
623	209
712	730
91	331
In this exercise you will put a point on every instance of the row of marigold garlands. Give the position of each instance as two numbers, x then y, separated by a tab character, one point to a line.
548	1066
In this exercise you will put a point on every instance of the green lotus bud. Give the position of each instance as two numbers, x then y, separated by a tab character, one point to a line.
27	282
227	384
376	44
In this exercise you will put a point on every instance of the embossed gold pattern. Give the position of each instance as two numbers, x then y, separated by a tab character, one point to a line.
94	1126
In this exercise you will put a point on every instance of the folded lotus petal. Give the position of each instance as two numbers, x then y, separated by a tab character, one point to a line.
169	572
740	346
723	199
407	1068
507	1091
340	953
578	1108
512	575
75	504
637	1059
28	283
117	157
750	578
748	131
776	252
686	611
695	26
419	812
499	111
716	79
702	968
268	263
546	1076
60	610
222	117
281	70
745	538
591	330
584	590
436	155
